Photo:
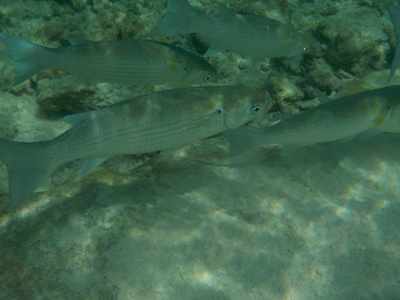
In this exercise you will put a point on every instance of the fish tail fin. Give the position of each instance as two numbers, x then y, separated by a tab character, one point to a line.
394	13
177	20
28	165
28	58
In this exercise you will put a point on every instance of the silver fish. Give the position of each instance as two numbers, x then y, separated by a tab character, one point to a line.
138	62
158	121
394	13
339	119
256	36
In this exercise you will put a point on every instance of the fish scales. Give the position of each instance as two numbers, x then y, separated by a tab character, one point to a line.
252	35
246	29
339	119
123	61
158	121
112	61
139	126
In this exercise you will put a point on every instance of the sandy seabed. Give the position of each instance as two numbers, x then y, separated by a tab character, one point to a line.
319	223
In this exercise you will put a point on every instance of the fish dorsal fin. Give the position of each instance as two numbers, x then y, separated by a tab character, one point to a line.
90	164
75	119
78	41
322	97
211	51
224	11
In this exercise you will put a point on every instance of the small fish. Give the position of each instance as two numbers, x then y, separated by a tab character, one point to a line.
138	62
159	121
339	119
394	13
255	36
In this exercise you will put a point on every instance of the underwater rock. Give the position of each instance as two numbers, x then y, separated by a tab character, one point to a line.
283	91
62	96
322	75
352	44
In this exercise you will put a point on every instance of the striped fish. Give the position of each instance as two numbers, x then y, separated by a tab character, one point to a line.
339	119
255	36
158	121
131	62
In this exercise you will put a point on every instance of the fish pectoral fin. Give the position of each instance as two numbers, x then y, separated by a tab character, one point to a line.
357	87
90	164
379	119
162	39
173	64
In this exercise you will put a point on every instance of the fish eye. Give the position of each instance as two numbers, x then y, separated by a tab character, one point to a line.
256	108
185	69
207	77
305	49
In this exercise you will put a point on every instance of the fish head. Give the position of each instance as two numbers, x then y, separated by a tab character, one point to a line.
243	105
198	72
192	69
294	42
